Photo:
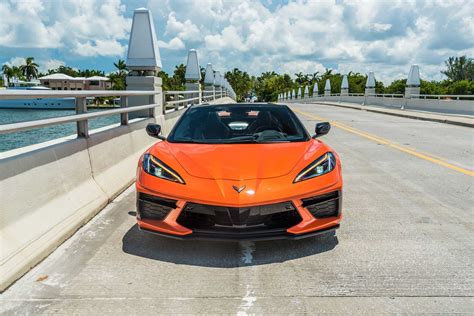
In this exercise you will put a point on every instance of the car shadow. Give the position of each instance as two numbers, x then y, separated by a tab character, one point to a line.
223	254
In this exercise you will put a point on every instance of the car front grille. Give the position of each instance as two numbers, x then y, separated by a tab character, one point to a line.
238	221
326	205
154	207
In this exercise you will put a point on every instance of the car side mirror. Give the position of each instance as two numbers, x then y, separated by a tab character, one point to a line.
154	130
322	129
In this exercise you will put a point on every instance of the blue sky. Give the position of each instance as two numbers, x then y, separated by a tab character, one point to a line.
286	36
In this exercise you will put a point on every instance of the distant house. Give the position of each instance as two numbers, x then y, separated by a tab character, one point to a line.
65	82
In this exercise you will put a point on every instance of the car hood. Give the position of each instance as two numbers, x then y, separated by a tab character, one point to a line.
238	161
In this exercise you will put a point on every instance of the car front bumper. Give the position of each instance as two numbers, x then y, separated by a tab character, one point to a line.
296	218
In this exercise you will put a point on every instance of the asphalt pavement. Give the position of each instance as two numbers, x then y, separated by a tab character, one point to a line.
405	243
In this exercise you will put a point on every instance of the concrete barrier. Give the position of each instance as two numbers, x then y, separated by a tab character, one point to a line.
447	106
51	189
462	107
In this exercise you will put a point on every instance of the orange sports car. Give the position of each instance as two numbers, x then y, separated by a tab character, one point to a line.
238	172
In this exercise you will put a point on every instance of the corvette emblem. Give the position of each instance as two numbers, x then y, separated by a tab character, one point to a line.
238	189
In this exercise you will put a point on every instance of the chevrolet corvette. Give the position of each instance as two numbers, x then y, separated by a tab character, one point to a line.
239	172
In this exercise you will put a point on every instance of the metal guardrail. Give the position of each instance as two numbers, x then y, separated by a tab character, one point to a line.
177	100
387	95
443	97
180	101
81	116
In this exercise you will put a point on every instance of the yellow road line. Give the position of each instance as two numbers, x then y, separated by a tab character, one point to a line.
391	144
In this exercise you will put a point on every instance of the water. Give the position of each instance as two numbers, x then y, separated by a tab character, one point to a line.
39	135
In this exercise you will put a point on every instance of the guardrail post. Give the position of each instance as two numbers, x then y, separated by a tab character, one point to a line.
151	100
163	101
176	105
124	116
82	126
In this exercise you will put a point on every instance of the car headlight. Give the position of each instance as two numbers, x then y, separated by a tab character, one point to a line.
320	166
157	168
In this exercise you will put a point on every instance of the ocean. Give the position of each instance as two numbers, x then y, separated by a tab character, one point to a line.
39	135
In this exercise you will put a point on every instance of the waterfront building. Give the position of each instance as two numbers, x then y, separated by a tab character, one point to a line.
64	82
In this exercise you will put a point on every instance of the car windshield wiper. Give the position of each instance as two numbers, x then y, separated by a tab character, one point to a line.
242	139
187	141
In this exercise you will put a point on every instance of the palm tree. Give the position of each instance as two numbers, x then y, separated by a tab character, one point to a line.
314	77
30	68
327	73
8	72
299	77
121	66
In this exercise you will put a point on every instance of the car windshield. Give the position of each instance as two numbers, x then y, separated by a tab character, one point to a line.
238	123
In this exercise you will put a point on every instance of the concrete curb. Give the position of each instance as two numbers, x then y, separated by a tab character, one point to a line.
412	115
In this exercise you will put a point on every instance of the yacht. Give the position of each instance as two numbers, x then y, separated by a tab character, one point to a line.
39	103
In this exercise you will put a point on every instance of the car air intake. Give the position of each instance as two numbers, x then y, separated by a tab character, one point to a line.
236	222
326	205
154	207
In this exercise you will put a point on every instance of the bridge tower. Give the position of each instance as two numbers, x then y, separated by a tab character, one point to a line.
209	80
370	84
143	61
218	82
345	86
315	90
327	88
413	82
193	76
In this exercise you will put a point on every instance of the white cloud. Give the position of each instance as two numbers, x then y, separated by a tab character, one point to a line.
184	30
256	36
50	64
308	36
173	44
100	47
92	25
16	61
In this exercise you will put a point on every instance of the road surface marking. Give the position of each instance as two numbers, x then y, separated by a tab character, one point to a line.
247	302
389	143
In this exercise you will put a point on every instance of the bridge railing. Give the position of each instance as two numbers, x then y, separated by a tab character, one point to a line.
82	117
172	101
177	100
445	97
451	104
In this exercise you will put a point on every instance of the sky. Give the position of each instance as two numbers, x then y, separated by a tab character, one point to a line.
384	36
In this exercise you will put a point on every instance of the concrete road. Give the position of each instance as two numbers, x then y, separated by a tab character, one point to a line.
405	245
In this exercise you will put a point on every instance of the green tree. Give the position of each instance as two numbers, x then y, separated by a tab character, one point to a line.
90	73
433	87
64	70
118	78
30	68
461	87
269	84
166	82
121	66
396	87
241	82
459	68
356	82
178	80
7	71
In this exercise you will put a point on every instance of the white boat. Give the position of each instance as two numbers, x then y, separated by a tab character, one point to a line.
39	103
